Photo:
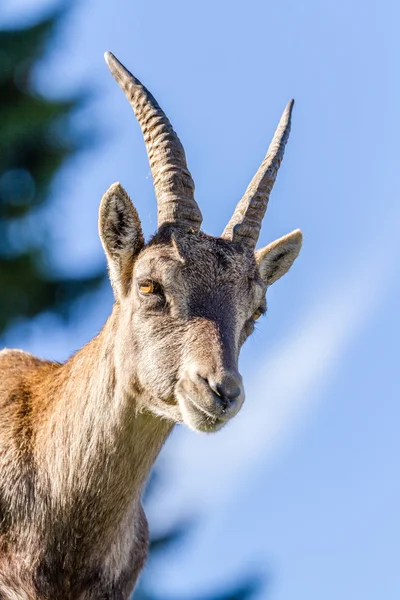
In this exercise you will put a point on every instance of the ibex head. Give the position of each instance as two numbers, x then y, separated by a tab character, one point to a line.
187	301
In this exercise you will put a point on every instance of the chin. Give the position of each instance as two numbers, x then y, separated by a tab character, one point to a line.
198	419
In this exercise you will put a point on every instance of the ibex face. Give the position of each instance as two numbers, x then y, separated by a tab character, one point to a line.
187	301
191	303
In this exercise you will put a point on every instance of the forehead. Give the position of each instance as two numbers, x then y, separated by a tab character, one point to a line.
199	256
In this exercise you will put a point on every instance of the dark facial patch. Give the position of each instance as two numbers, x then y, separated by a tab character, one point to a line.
218	274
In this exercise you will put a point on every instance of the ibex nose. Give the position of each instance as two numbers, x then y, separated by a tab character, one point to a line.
228	389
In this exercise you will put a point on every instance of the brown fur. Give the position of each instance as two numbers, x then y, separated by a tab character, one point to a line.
78	440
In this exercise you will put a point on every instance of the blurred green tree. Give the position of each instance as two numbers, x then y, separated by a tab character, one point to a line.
162	543
35	141
159	545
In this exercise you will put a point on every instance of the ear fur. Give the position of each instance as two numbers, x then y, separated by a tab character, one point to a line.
121	236
276	259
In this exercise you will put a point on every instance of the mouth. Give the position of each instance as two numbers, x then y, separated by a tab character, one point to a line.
201	419
202	409
197	417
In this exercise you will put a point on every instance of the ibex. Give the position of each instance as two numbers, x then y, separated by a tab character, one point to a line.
78	440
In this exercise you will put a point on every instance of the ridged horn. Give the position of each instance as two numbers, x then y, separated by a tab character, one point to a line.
245	224
173	183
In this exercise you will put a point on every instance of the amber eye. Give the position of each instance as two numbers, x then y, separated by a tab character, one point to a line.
257	314
147	287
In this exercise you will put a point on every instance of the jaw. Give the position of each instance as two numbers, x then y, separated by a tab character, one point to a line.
165	409
198	419
185	411
191	404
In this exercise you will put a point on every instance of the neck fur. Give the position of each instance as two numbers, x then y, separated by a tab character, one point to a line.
97	445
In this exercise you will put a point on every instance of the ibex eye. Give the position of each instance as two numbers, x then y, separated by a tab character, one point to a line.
259	312
148	287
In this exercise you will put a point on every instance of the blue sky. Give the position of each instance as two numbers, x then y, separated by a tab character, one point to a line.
304	483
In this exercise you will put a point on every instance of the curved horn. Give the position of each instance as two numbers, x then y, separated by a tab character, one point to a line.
173	183
246	221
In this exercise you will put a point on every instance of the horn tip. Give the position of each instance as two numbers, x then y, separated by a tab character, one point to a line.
108	56
117	69
112	61
287	113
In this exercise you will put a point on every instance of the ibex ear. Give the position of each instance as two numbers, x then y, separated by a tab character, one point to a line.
121	235
276	259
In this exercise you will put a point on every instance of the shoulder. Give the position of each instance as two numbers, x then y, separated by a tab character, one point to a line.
19	368
10	357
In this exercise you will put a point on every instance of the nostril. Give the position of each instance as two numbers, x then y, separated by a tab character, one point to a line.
228	388
227	392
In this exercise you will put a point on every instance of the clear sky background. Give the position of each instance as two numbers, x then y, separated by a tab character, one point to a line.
304	484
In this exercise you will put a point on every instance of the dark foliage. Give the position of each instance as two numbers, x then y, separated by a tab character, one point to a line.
35	141
245	590
160	545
